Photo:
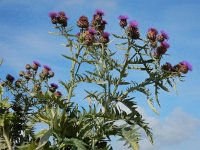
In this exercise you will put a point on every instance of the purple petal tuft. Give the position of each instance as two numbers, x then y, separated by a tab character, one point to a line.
36	63
153	30
92	31
53	14
165	44
134	24
189	65
99	12
164	34
47	67
106	34
123	17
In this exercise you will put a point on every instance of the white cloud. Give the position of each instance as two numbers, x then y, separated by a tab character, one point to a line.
177	131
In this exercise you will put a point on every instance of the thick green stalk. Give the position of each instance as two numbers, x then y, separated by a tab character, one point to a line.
7	139
123	69
72	72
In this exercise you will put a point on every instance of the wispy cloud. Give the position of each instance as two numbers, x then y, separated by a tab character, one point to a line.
175	130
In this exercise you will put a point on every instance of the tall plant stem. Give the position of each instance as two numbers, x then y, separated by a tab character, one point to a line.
7	140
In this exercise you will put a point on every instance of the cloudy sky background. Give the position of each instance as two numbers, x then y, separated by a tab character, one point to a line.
24	26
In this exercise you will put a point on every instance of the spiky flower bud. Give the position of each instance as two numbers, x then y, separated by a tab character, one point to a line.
183	67
105	37
35	65
28	75
132	30
163	36
53	16
21	73
167	67
102	26
162	48
123	20
53	87
98	15
152	33
51	74
28	66
58	94
62	18
10	78
89	37
83	22
18	83
45	70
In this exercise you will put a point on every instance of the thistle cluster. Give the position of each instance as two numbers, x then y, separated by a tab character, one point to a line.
182	67
59	18
90	32
93	32
131	29
32	81
158	41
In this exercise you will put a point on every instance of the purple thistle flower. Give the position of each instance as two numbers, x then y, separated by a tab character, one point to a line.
164	34
99	12
133	24
62	13
105	34
47	67
187	64
54	85
92	31
153	30
10	78
165	45
36	63
53	14
104	22
58	94
123	17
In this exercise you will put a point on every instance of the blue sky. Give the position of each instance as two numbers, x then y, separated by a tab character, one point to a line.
24	26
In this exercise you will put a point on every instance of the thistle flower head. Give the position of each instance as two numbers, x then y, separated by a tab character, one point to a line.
54	85
99	12
165	45
47	67
153	30
92	31
133	24
36	63
83	22
187	64
58	94
53	14
164	34
167	66
123	17
105	35
62	14
10	78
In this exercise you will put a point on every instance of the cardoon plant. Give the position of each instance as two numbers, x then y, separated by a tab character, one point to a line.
112	108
